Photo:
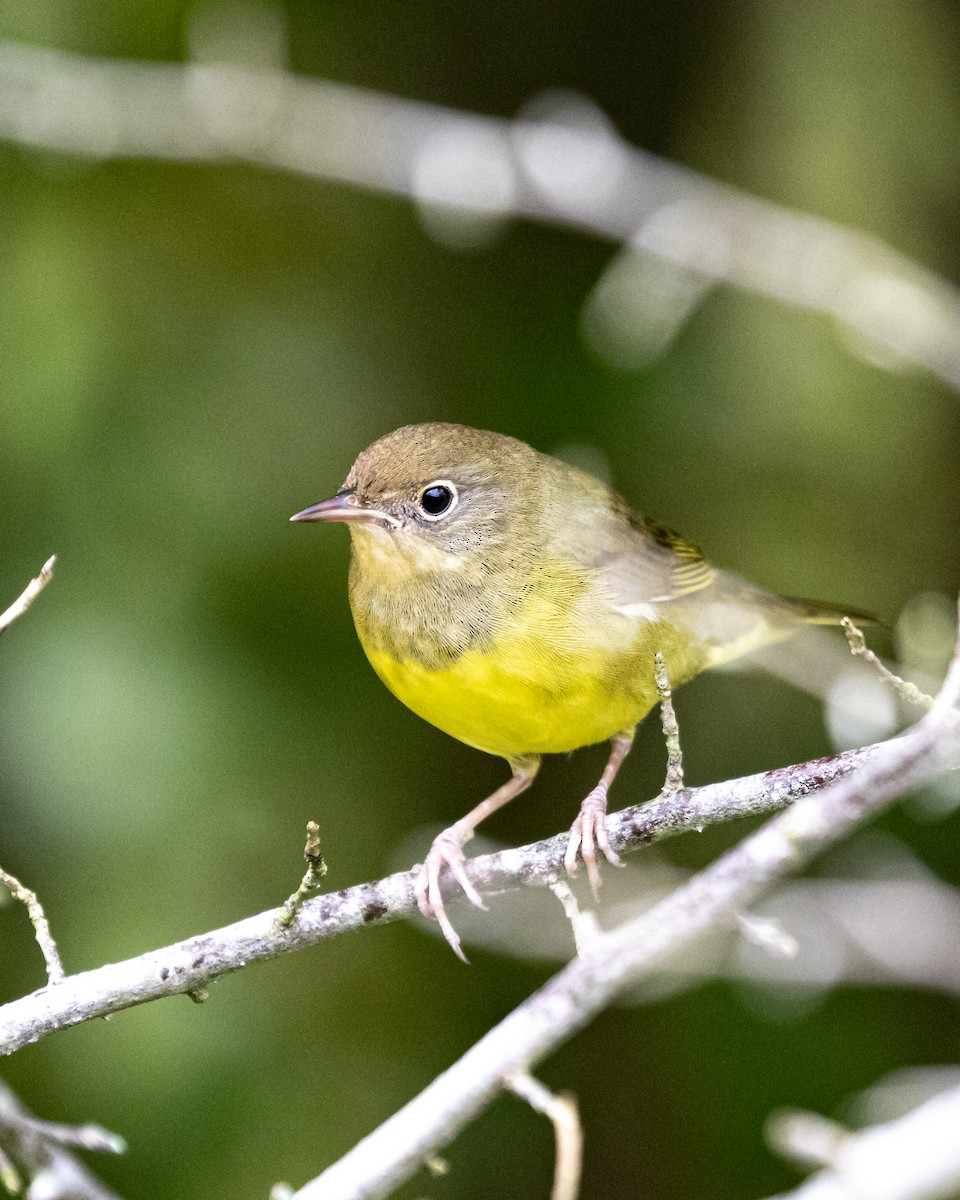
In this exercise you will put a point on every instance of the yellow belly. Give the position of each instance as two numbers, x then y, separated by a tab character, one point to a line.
477	702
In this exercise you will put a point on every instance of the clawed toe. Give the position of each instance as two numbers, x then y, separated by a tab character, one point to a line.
446	851
588	833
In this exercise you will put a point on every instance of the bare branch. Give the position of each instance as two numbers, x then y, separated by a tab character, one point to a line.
914	1158
39	1149
887	922
565	167
29	594
710	900
188	967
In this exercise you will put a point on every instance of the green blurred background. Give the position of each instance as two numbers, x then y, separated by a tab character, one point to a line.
191	353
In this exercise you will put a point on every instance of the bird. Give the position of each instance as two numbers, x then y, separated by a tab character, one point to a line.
517	603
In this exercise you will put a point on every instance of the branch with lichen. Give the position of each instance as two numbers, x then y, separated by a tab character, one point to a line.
190	966
316	869
38	919
905	690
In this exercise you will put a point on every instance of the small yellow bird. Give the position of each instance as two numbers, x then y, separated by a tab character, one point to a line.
517	603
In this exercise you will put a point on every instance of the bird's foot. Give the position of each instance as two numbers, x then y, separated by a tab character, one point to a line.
588	833
446	851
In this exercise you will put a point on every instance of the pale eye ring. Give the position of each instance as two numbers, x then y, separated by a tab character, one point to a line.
437	499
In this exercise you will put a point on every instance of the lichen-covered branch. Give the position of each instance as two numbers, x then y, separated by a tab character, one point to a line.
189	966
38	919
310	884
904	688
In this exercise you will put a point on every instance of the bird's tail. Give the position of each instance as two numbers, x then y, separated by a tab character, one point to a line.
813	612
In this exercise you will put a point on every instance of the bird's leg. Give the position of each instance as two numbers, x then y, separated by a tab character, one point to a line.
447	850
589	830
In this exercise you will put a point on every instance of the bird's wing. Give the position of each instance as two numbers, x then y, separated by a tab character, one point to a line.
632	560
679	565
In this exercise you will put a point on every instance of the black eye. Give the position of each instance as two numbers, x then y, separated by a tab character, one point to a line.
437	498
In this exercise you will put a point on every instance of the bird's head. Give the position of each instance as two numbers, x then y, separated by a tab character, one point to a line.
432	497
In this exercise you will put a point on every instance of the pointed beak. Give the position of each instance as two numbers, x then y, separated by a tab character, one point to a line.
347	508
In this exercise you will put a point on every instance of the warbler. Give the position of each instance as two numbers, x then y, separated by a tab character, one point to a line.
517	603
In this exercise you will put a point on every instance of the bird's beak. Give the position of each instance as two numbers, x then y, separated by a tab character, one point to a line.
345	507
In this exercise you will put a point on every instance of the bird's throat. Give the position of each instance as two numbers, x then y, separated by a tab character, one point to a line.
415	602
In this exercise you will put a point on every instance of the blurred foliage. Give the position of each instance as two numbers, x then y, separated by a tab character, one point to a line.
192	353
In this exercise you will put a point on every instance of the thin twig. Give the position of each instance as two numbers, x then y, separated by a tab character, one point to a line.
316	869
567	1130
188	967
673	782
904	689
41	926
29	594
584	925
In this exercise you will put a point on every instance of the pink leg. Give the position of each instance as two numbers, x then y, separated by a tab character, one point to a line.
447	850
590	828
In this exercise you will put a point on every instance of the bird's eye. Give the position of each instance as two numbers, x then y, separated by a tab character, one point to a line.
438	498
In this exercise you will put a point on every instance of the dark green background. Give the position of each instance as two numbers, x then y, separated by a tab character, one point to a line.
189	354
